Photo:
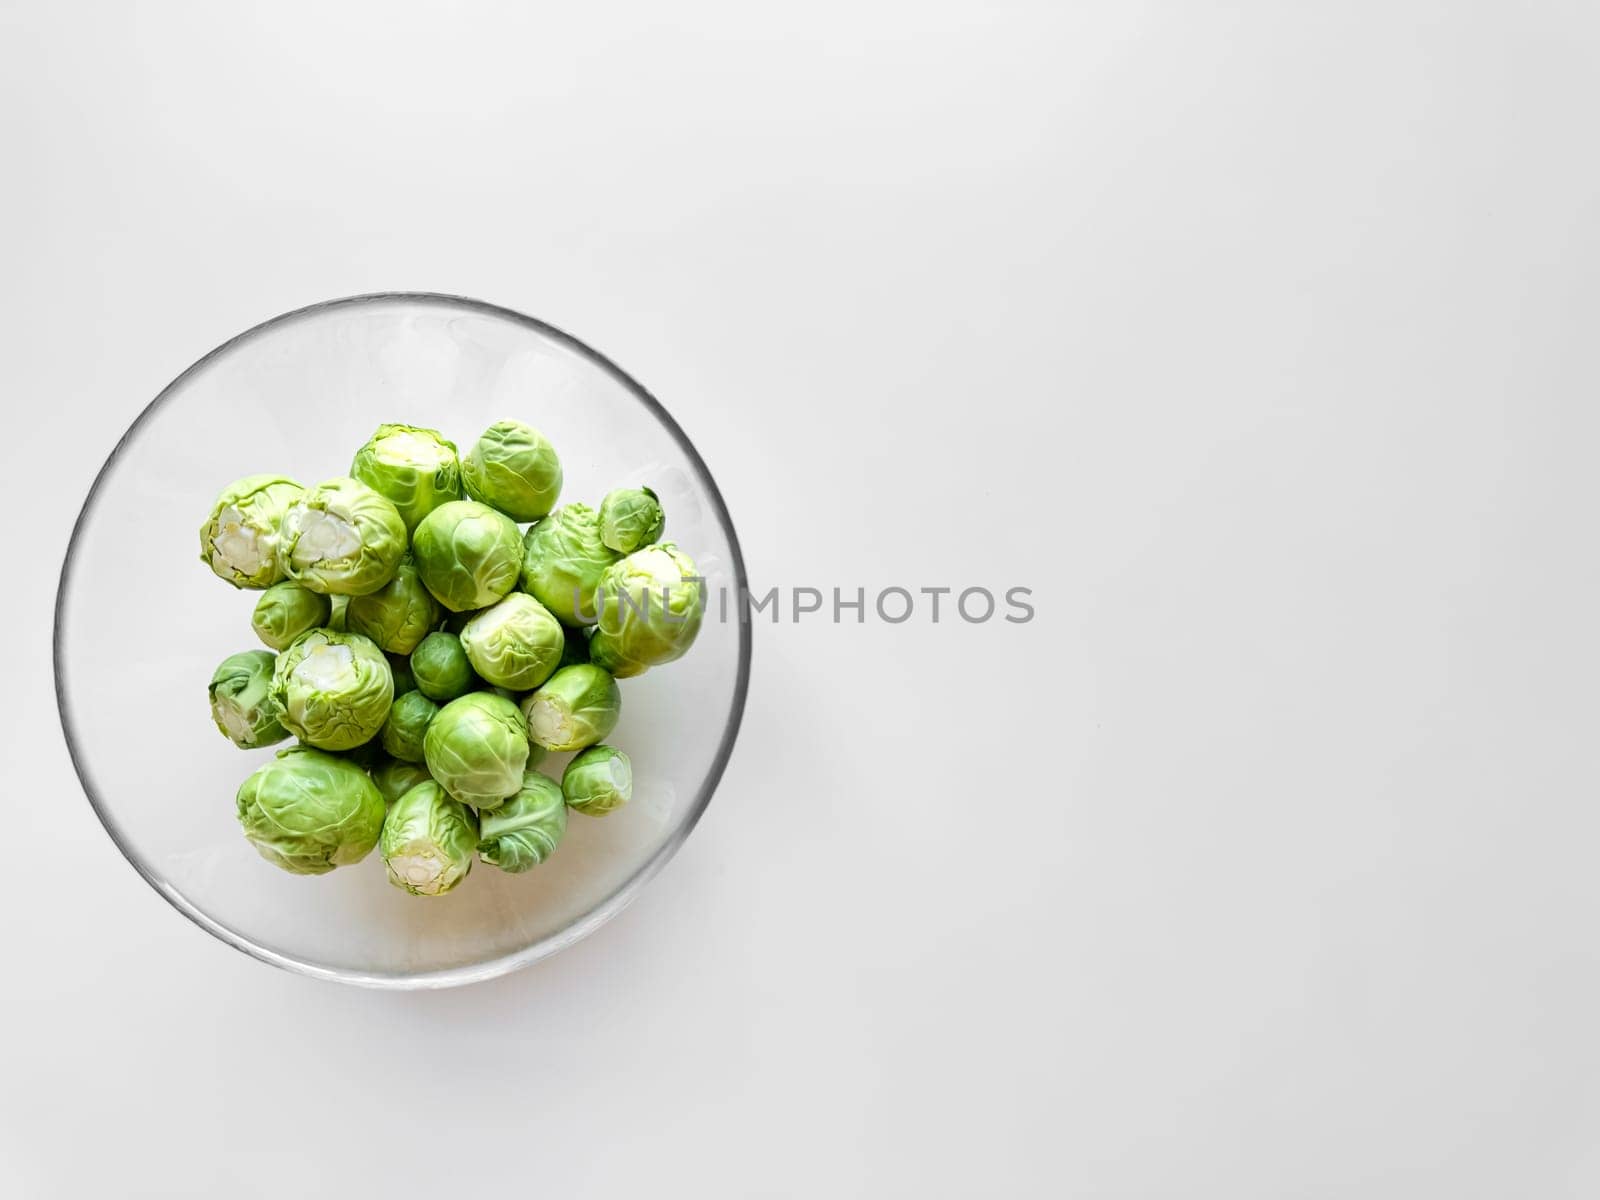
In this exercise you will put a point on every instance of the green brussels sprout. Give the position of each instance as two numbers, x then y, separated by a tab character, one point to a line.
522	832
406	724
575	647
477	748
337	610
631	519
563	559
285	611
428	840
598	780
513	468
239	540
367	755
398	615
576	707
341	538
415	468
241	700
515	643
334	689
441	669
468	554
651	606
395	779
309	812
400	668
536	752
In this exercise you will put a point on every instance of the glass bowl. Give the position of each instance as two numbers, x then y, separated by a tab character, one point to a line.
141	624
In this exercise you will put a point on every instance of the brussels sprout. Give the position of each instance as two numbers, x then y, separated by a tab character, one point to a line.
241	700
395	779
400	668
468	554
239	540
342	538
285	611
575	708
562	561
337	610
368	755
398	615
477	748
598	780
513	468
650	607
406	724
428	840
440	667
309	812
334	689
415	468
575	649
515	643
522	832
631	519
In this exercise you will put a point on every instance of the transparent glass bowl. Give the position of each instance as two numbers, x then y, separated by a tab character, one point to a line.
141	624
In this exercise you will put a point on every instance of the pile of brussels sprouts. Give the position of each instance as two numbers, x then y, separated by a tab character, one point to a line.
427	653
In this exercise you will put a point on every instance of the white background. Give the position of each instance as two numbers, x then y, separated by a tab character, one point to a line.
1258	339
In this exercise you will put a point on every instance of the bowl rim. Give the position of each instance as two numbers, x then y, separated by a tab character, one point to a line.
625	892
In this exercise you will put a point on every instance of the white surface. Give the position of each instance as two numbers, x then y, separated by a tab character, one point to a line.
1258	342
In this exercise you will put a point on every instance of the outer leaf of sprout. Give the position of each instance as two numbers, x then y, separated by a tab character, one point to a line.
563	559
241	700
576	707
631	519
477	749
341	538
400	668
407	724
522	832
309	812
398	615
428	840
239	539
395	778
598	781
334	689
514	468
650	609
441	668
515	643
468	554
414	468
285	611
